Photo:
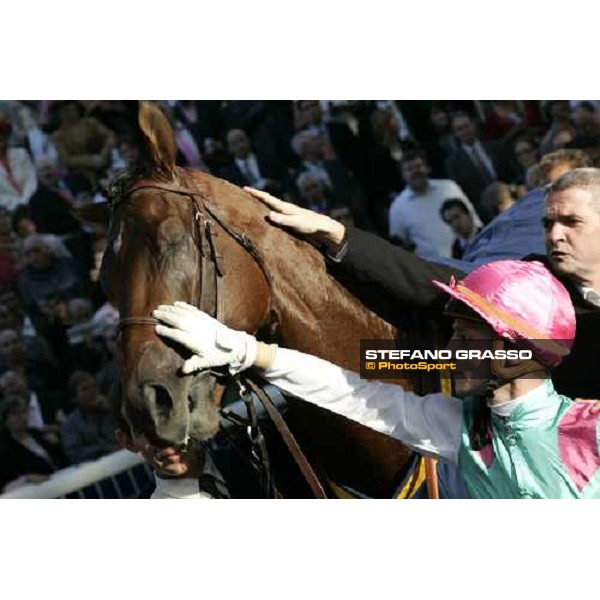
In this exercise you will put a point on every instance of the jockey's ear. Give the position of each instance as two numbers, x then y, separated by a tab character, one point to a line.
97	213
159	138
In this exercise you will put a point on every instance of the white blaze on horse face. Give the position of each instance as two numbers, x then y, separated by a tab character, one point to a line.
118	241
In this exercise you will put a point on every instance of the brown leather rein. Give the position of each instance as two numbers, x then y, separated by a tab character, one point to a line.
211	302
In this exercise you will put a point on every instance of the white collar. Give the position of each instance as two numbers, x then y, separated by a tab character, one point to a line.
476	145
590	295
506	408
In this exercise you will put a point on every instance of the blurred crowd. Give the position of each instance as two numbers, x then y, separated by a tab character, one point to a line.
364	162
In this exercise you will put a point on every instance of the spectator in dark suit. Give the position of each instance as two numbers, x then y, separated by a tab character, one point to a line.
476	163
440	123
342	189
248	168
50	208
338	139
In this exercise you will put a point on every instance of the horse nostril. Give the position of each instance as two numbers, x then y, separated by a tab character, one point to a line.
163	403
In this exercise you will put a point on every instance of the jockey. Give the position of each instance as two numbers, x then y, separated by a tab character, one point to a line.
510	433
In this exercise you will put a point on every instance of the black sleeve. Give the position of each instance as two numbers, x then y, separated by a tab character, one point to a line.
387	278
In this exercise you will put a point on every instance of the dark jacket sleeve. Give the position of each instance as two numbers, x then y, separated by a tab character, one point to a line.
387	278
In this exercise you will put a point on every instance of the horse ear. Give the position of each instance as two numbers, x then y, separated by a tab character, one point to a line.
159	135
97	213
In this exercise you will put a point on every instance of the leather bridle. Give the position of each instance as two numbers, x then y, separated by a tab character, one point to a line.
204	231
205	215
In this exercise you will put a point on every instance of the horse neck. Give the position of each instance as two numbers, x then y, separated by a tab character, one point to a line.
314	313
317	314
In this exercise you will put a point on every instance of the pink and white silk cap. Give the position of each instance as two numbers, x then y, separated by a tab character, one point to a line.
523	303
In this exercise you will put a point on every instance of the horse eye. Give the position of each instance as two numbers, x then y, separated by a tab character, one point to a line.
170	233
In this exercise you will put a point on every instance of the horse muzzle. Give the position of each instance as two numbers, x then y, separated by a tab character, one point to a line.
169	407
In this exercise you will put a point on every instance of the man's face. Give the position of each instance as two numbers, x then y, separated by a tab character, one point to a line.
459	221
561	139
11	345
87	396
39	256
14	384
238	144
414	173
464	130
439	120
525	153
471	376
312	110
572	226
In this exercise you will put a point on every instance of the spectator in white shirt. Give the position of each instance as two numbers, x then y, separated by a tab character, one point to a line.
414	219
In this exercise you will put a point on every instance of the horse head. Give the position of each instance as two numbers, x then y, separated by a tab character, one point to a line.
266	282
154	255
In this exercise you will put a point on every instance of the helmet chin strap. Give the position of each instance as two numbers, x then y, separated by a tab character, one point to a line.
507	373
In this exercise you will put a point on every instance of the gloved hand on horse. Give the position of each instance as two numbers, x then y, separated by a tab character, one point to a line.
212	343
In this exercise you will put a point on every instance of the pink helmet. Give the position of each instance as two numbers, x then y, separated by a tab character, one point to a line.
524	303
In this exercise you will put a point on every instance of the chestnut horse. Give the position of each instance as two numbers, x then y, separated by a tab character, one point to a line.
266	281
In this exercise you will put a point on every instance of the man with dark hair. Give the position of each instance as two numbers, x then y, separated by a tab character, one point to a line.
414	219
476	163
249	168
456	215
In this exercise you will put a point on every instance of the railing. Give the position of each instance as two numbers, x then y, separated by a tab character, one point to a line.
121	474
117	475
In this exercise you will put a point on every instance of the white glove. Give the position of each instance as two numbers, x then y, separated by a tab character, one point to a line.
212	343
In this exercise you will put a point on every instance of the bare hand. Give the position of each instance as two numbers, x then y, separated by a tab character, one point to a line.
315	226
